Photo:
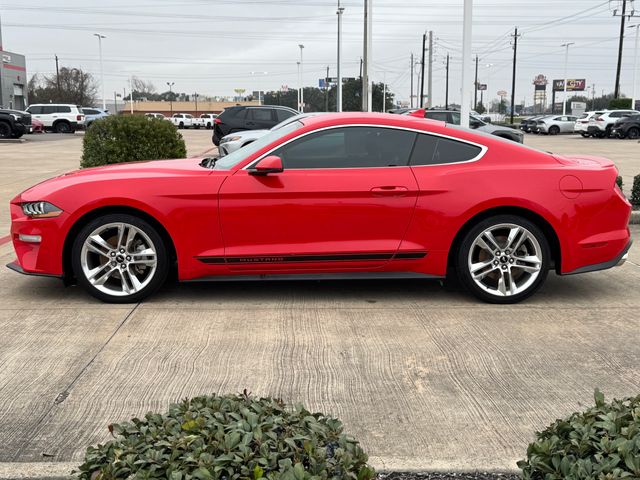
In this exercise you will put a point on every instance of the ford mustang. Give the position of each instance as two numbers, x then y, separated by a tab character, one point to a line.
350	195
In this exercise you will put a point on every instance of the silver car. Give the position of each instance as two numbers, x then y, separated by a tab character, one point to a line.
234	141
554	125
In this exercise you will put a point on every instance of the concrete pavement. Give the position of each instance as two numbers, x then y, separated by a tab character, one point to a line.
427	379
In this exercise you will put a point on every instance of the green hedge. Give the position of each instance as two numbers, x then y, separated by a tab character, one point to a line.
129	138
635	191
600	443
619	103
229	437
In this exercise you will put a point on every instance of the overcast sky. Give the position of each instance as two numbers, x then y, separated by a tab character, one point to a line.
213	46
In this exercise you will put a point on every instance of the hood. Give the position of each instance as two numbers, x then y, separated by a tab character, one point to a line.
490	128
247	134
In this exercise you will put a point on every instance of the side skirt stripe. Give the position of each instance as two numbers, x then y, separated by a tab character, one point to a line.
339	257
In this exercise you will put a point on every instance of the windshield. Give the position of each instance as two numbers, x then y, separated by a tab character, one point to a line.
231	160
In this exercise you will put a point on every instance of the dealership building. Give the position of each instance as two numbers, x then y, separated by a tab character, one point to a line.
13	80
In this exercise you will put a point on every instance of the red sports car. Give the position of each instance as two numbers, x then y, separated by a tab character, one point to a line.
350	195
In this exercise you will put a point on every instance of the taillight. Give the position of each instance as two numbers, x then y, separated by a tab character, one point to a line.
79	117
599	119
217	121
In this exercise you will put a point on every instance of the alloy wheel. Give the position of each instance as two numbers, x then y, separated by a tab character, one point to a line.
118	259
505	260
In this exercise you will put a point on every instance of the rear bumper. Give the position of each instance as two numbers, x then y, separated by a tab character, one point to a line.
618	261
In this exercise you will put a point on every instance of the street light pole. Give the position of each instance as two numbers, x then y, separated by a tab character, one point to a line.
171	84
465	111
634	96
566	61
489	65
301	80
104	100
339	66
367	56
131	90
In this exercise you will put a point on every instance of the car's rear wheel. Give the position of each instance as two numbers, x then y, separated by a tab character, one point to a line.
633	133
503	259
585	134
554	130
5	130
119	258
62	127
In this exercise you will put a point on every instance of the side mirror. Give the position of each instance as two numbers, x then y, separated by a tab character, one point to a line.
474	124
270	164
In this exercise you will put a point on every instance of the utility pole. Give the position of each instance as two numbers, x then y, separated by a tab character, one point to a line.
475	90
513	79
424	46
623	17
58	78
467	34
430	88
367	56
566	61
104	100
326	91
446	91
384	92
411	94
339	72
298	89
195	96
301	80
115	103
634	96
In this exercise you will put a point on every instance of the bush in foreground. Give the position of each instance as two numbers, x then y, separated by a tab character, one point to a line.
600	443
229	437
129	138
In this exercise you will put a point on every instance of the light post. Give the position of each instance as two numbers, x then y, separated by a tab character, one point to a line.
259	91
195	96
634	96
466	64
301	80
104	100
566	62
339	73
489	65
171	84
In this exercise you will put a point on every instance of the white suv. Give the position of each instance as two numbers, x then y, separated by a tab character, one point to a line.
61	118
601	125
582	124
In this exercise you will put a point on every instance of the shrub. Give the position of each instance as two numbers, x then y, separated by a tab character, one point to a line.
619	182
635	191
601	443
229	437
619	103
130	138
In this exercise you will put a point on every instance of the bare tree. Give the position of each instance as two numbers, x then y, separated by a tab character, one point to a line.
72	86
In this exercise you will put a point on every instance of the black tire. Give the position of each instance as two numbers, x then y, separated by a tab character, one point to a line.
463	257
608	132
554	130
18	135
5	130
62	127
633	133
162	261
181	125
585	134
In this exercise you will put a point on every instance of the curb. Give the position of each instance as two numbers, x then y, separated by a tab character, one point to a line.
635	218
37	470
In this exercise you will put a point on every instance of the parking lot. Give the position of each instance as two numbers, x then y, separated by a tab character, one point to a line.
426	378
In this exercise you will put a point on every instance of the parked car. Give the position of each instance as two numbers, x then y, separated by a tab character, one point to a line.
61	118
582	123
182	120
627	127
239	118
349	195
14	123
36	126
555	124
453	117
234	141
209	120
601	126
155	115
91	114
528	123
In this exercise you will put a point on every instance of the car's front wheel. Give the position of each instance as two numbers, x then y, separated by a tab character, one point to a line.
119	258
503	259
633	133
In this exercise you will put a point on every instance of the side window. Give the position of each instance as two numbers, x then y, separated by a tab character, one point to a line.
442	116
615	115
455	118
261	115
34	110
349	147
63	109
424	150
282	115
433	150
48	109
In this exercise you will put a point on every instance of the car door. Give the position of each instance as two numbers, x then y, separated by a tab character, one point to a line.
344	200
568	124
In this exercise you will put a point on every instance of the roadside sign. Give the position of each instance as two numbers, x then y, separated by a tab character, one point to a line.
502	93
482	86
573	85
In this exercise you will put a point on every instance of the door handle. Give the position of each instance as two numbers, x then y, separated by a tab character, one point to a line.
389	190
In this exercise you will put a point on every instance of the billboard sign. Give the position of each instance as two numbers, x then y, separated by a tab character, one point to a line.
482	86
502	93
573	85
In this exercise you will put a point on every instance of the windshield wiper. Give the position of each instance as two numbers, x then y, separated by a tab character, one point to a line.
209	162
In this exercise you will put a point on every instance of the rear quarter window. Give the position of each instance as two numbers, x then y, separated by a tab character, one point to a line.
282	115
433	150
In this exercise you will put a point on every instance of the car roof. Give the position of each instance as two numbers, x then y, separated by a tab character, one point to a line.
379	119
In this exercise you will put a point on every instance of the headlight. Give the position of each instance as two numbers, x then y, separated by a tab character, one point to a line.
40	210
17	118
230	139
